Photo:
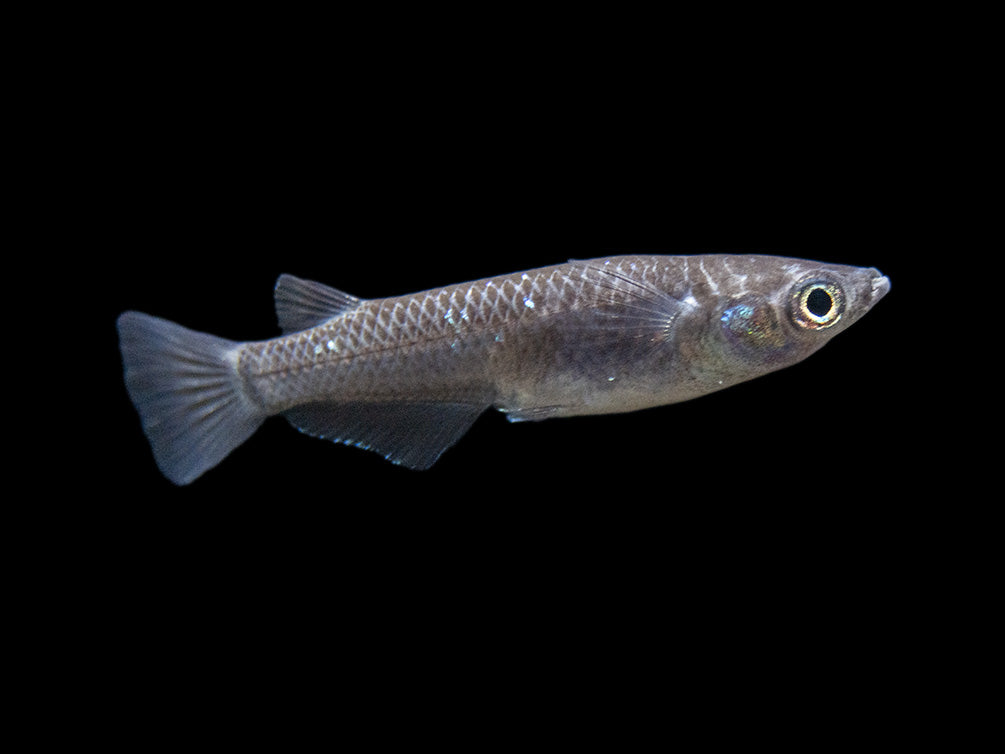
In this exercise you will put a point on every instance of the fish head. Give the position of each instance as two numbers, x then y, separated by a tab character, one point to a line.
771	312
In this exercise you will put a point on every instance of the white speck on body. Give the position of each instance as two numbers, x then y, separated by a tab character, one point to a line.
713	286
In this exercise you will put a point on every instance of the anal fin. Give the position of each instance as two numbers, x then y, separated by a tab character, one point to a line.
409	433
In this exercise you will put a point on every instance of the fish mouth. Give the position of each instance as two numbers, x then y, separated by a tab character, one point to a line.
880	285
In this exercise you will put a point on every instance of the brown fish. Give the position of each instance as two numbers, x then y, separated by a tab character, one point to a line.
407	376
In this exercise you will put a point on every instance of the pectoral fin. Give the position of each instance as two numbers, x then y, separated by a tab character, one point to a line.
533	414
626	307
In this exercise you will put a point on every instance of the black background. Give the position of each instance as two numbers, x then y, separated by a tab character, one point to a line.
774	531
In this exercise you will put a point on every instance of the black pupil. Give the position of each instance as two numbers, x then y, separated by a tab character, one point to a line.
818	302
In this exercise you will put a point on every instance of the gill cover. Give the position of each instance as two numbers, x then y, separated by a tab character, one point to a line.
752	326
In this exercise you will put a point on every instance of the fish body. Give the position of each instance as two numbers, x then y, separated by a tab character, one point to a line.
407	376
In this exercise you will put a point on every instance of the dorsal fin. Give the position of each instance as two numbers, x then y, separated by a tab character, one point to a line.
303	304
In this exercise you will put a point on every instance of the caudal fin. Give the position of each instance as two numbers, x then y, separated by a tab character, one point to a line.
186	389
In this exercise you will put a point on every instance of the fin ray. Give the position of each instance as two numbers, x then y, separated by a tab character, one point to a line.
408	433
303	304
634	307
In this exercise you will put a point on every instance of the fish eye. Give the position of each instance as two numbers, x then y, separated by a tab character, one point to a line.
817	304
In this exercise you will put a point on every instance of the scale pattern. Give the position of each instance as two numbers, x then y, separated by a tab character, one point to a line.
431	345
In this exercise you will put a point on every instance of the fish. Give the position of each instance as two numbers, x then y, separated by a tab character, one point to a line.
407	376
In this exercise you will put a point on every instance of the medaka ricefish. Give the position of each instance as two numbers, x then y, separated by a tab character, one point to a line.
407	376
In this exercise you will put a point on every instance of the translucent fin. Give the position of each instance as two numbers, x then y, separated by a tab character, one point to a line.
303	304
412	434
185	387
627	307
